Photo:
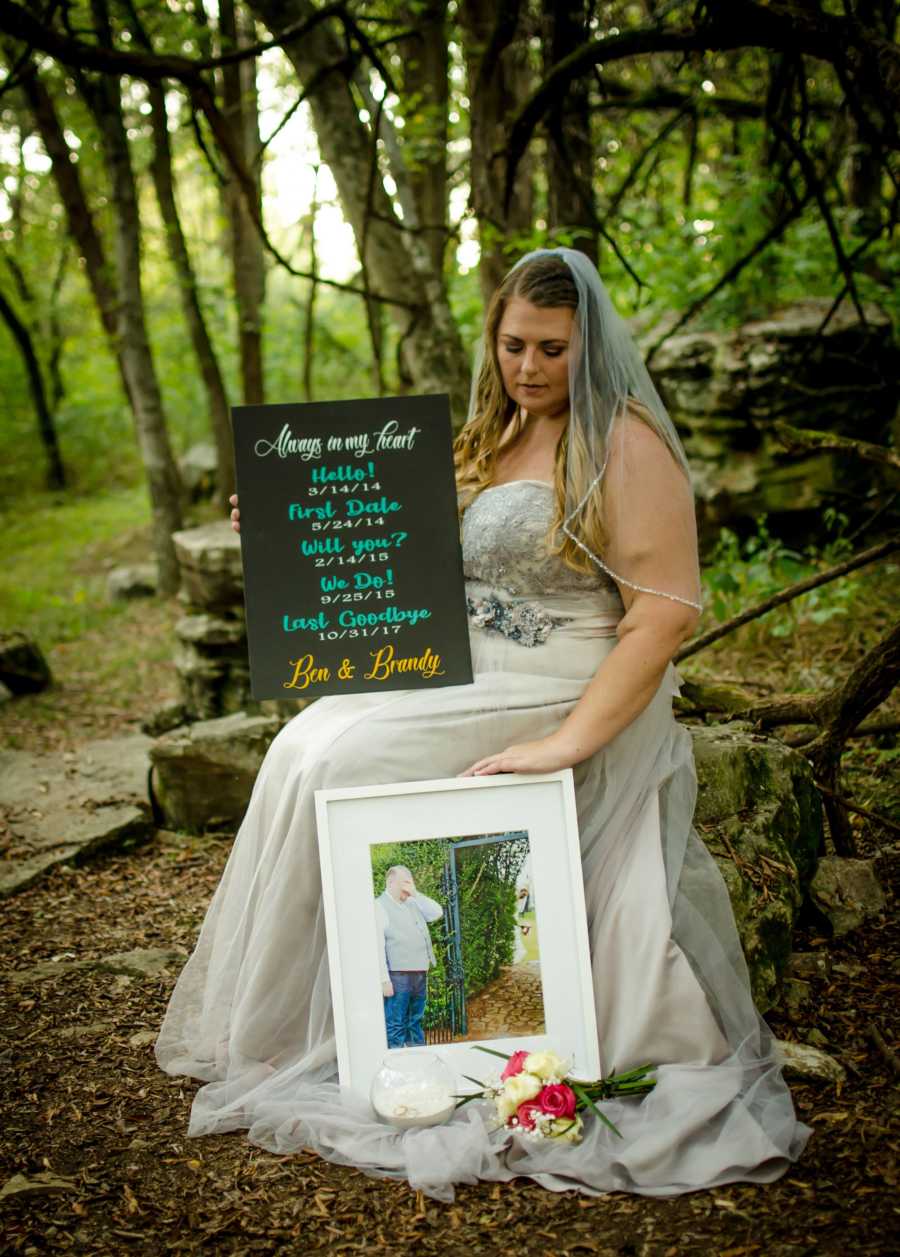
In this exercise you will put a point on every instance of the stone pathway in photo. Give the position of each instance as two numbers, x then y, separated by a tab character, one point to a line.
511	1004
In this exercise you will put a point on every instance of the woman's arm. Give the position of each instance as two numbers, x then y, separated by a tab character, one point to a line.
649	635
653	540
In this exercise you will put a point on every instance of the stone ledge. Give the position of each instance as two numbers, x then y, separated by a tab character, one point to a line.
64	808
204	772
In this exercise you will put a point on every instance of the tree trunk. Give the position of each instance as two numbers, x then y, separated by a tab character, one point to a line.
79	218
570	157
309	314
866	161
213	383
164	183
102	97
424	99
398	261
56	473
240	108
499	80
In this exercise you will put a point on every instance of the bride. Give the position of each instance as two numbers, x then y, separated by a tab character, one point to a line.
582	580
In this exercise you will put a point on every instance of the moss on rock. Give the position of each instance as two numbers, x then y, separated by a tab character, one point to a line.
760	816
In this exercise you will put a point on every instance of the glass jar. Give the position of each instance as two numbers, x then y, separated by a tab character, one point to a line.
413	1087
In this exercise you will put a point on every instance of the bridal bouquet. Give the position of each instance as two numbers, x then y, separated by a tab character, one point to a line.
534	1095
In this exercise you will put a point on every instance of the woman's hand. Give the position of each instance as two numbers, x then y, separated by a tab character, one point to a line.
235	514
547	755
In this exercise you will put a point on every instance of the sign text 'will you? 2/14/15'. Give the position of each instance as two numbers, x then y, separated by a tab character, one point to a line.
350	540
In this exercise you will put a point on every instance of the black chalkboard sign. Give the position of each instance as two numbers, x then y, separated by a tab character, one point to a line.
350	540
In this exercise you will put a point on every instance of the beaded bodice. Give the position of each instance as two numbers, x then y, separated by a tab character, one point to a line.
504	542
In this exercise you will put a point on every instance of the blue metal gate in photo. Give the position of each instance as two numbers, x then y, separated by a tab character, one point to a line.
448	1020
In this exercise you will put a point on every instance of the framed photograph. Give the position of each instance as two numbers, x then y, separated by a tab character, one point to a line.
455	916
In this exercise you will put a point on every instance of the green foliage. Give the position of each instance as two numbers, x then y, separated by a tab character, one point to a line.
742	572
487	885
52	581
684	196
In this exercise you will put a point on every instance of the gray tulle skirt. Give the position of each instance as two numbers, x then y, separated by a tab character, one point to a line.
250	1014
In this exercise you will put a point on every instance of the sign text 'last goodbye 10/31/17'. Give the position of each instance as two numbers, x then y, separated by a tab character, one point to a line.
352	567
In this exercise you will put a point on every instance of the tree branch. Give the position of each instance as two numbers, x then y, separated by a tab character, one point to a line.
624	98
788	595
17	22
814	185
774	233
661	136
776	25
808	439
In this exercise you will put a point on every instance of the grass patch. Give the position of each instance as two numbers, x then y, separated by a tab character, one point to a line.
59	550
111	661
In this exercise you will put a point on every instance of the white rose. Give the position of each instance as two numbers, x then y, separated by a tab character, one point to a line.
545	1065
516	1091
566	1128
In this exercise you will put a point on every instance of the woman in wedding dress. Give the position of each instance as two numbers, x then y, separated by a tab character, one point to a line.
579	550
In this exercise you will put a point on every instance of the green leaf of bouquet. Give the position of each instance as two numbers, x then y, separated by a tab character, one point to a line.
503	1056
583	1095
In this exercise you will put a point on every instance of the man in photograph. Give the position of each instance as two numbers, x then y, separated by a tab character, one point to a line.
405	952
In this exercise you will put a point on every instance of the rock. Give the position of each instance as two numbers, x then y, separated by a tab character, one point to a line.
795	995
810	964
144	1038
62	809
23	668
165	719
210	562
139	580
92	1030
725	390
199	468
846	892
43	1181
802	1061
760	816
214	631
143	962
211	662
204	772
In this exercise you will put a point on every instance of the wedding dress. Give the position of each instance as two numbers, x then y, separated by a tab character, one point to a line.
251	1014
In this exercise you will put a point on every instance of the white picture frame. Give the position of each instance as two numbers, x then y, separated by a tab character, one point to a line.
354	820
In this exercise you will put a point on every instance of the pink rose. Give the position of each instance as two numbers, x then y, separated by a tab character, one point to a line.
558	1100
525	1113
514	1065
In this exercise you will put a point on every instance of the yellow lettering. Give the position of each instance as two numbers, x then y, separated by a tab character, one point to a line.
385	663
382	665
305	674
432	665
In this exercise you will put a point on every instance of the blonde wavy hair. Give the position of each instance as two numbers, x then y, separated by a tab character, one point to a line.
546	282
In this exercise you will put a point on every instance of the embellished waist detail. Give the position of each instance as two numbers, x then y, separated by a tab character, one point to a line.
527	623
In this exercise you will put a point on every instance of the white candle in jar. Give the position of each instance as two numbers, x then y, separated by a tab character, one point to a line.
414	1105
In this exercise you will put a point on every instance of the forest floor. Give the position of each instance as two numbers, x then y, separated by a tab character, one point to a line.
98	1133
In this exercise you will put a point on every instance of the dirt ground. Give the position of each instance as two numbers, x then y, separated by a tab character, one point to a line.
100	1132
84	1103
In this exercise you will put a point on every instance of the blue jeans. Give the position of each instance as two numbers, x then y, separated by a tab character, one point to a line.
404	1010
